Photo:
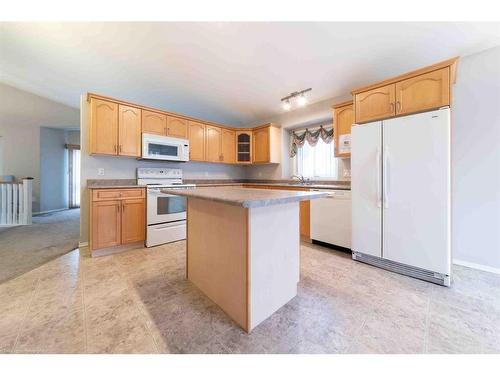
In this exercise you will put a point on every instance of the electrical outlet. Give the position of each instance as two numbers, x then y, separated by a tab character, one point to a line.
100	171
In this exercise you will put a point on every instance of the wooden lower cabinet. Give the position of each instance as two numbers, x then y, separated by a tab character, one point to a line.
106	224
118	218
133	220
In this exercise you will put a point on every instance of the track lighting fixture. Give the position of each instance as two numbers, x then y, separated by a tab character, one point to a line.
299	96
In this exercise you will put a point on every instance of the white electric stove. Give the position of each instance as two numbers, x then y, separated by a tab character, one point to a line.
166	213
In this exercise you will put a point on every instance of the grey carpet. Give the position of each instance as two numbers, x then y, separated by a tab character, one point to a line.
24	248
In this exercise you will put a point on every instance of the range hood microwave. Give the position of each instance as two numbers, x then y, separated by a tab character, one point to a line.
159	147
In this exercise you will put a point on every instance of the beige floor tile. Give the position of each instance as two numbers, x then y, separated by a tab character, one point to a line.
141	302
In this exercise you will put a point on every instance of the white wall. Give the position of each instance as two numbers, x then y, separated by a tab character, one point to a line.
476	160
54	182
22	114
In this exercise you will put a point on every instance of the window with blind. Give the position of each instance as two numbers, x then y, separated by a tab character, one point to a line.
316	162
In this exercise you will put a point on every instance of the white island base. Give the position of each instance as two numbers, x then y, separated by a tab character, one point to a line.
246	260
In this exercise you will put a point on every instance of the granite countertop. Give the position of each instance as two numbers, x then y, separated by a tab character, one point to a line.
132	183
305	186
113	184
247	197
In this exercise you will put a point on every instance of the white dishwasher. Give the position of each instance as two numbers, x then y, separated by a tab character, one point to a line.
331	218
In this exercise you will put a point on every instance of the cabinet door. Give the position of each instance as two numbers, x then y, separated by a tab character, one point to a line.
196	133
213	144
375	104
261	145
177	127
244	147
106	224
129	131
343	120
133	220
103	127
228	146
424	92
154	123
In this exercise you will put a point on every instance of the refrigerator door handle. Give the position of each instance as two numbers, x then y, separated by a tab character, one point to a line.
384	180
379	188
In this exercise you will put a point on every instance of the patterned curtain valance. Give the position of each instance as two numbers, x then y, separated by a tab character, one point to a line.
311	136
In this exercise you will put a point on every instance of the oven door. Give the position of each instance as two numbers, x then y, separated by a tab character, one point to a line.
165	208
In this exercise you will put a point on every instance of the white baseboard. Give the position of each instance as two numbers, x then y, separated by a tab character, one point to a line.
476	266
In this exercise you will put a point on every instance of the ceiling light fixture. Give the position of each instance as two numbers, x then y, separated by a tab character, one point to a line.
299	96
287	105
301	100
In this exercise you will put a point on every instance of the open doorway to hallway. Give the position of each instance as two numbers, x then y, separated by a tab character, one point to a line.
41	143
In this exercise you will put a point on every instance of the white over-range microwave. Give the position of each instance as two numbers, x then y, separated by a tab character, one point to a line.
159	147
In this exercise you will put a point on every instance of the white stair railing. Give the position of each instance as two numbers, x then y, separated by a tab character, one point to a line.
15	202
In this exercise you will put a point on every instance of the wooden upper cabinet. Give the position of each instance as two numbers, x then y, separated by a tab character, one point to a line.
266	144
423	92
343	118
261	144
213	144
196	136
129	131
133	221
106	224
375	104
177	127
244	146
103	127
228	146
154	123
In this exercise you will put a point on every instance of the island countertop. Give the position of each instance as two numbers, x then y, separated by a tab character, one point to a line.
247	197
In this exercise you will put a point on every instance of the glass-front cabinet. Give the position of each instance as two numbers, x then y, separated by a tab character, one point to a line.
244	146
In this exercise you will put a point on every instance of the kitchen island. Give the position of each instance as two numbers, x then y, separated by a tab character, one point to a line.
243	248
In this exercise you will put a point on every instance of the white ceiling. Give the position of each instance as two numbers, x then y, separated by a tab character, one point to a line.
233	73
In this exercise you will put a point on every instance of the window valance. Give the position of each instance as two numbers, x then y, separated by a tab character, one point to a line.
311	136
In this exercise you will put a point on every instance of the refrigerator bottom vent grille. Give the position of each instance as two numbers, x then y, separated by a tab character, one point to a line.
403	269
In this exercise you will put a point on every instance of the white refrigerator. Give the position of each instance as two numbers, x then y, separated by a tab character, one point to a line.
400	171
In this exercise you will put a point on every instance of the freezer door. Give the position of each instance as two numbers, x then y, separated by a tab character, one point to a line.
366	143
416	168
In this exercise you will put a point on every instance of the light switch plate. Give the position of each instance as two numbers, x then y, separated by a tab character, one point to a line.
100	171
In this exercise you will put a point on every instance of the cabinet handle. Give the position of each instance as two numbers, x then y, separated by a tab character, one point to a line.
114	148
120	148
123	207
392	107
398	107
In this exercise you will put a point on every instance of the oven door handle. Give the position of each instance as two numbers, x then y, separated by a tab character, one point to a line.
159	193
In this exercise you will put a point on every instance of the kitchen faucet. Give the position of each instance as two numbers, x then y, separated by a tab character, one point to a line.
301	179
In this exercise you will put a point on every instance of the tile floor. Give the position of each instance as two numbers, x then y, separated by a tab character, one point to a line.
139	302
